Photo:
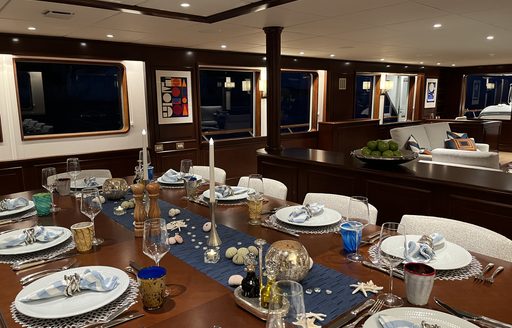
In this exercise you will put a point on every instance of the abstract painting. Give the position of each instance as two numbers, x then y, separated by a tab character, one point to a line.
174	96
431	93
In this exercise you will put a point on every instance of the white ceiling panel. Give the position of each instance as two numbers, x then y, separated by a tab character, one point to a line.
127	2
497	18
20	26
331	26
141	23
101	34
467	6
197	7
276	16
332	8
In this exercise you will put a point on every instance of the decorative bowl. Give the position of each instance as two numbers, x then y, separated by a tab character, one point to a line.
115	188
407	156
292	259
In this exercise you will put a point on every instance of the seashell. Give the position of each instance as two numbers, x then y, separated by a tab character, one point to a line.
242	251
207	226
171	240
230	252
253	250
179	239
173	212
132	203
235	280
125	204
311	263
102	199
238	259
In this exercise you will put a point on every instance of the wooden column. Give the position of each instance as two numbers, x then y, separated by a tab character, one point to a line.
273	39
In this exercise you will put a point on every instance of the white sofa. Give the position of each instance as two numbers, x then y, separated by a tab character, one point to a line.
432	137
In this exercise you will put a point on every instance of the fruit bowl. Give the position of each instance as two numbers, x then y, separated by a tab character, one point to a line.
407	156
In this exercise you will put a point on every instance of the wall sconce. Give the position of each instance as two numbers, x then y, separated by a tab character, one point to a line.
228	84
388	85
490	86
246	85
367	85
263	88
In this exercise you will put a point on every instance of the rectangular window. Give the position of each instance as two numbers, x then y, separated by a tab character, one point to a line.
364	96
58	98
488	96
296	100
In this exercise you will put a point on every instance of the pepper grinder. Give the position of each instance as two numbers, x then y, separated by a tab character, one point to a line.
153	190
139	213
250	284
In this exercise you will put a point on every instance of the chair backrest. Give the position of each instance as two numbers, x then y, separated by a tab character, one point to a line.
338	203
204	171
271	187
83	174
467	235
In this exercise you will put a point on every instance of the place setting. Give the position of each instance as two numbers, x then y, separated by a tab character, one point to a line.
185	178
14	210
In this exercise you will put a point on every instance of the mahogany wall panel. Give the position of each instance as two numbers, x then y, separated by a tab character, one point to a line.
287	174
12	180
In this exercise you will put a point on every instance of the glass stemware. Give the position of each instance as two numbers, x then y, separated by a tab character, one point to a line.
358	216
186	169
255	198
49	182
90	206
73	169
154	243
286	306
388	230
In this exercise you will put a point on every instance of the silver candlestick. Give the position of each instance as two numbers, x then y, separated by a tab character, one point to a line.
212	253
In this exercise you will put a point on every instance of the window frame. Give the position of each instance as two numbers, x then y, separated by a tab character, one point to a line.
123	98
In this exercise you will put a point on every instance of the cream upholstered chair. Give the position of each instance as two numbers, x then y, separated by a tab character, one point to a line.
467	235
83	174
271	187
338	203
204	171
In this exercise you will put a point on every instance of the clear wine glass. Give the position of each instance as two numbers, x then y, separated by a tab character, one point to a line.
73	169
286	306
154	243
49	182
358	217
186	169
390	253
90	206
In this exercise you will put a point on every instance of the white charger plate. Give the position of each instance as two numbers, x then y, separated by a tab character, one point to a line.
206	195
450	257
35	247
327	217
18	210
416	315
80	183
63	307
177	183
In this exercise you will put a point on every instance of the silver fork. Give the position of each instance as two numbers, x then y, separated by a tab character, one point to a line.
481	275
112	316
374	309
490	279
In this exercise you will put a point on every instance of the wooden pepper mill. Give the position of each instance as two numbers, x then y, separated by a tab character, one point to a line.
153	189
139	213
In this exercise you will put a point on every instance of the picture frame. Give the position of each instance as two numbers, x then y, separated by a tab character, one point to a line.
431	93
174	97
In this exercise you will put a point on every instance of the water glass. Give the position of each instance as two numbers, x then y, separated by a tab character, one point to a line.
358	216
43	203
83	235
286	307
90	206
152	287
419	280
154	242
186	169
49	182
351	234
73	169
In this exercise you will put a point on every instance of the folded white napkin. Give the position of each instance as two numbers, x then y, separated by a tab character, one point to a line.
171	176
387	321
12	204
90	182
70	285
423	250
32	235
304	213
227	191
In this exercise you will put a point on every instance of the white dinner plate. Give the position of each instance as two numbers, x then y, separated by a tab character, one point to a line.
80	183
179	182
416	315
206	195
327	217
35	247
18	210
63	307
450	257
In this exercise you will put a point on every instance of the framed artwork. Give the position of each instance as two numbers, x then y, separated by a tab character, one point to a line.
431	93
174	96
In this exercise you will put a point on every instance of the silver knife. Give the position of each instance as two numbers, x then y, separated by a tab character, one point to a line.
472	317
30	264
396	273
119	321
353	313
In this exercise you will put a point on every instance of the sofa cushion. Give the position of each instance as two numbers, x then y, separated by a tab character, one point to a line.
412	144
460	144
474	158
401	135
436	133
456	135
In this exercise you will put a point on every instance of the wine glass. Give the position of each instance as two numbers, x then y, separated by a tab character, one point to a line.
154	243
358	216
49	182
73	169
186	169
286	307
391	254
90	206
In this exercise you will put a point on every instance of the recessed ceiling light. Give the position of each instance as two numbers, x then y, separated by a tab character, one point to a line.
421	63
190	53
223	46
332	55
382	59
492	55
438	64
437	25
388	66
301	53
15	40
295	59
185	5
110	36
490	37
347	63
422	67
264	58
83	44
406	66
31	28
453	65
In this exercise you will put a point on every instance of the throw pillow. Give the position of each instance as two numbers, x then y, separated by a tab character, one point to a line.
460	144
456	135
412	144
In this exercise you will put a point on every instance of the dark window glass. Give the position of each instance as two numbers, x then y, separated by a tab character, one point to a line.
364	96
226	103
295	101
60	97
488	96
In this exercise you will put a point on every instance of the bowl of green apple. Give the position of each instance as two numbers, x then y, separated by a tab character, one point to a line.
383	152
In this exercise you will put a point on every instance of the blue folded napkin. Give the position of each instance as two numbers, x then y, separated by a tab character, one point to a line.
227	191
90	182
70	285
304	213
171	176
423	250
387	321
12	204
32	235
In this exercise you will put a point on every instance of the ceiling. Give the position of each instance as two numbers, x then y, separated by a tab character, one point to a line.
398	31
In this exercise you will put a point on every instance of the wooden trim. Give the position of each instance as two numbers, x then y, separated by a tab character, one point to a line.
411	101
420	97
257	105
1	134
376	97
216	133
314	102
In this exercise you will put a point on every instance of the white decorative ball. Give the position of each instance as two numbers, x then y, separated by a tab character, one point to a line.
179	239
207	226
235	280
171	240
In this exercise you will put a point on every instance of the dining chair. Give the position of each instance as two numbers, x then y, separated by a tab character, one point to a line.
273	188
97	173
338	203
204	171
471	237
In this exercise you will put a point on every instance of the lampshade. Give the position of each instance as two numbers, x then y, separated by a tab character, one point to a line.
388	85
490	85
246	85
228	84
366	85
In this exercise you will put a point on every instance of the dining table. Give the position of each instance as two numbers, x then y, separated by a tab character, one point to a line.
197	300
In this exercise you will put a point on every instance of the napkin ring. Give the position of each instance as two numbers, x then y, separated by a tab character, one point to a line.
72	284
4	205
90	181
30	236
427	240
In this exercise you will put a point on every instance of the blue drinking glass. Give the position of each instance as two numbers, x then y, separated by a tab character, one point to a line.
351	234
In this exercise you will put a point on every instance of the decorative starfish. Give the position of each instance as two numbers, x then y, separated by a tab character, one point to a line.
178	224
366	287
310	320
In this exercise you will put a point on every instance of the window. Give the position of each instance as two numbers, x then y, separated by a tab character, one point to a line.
227	103
364	96
396	98
58	99
488	96
296	100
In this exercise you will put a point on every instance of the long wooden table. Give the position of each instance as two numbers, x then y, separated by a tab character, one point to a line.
198	301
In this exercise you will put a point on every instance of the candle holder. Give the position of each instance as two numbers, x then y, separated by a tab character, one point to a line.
212	253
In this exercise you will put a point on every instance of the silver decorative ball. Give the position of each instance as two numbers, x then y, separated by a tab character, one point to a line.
291	258
115	188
